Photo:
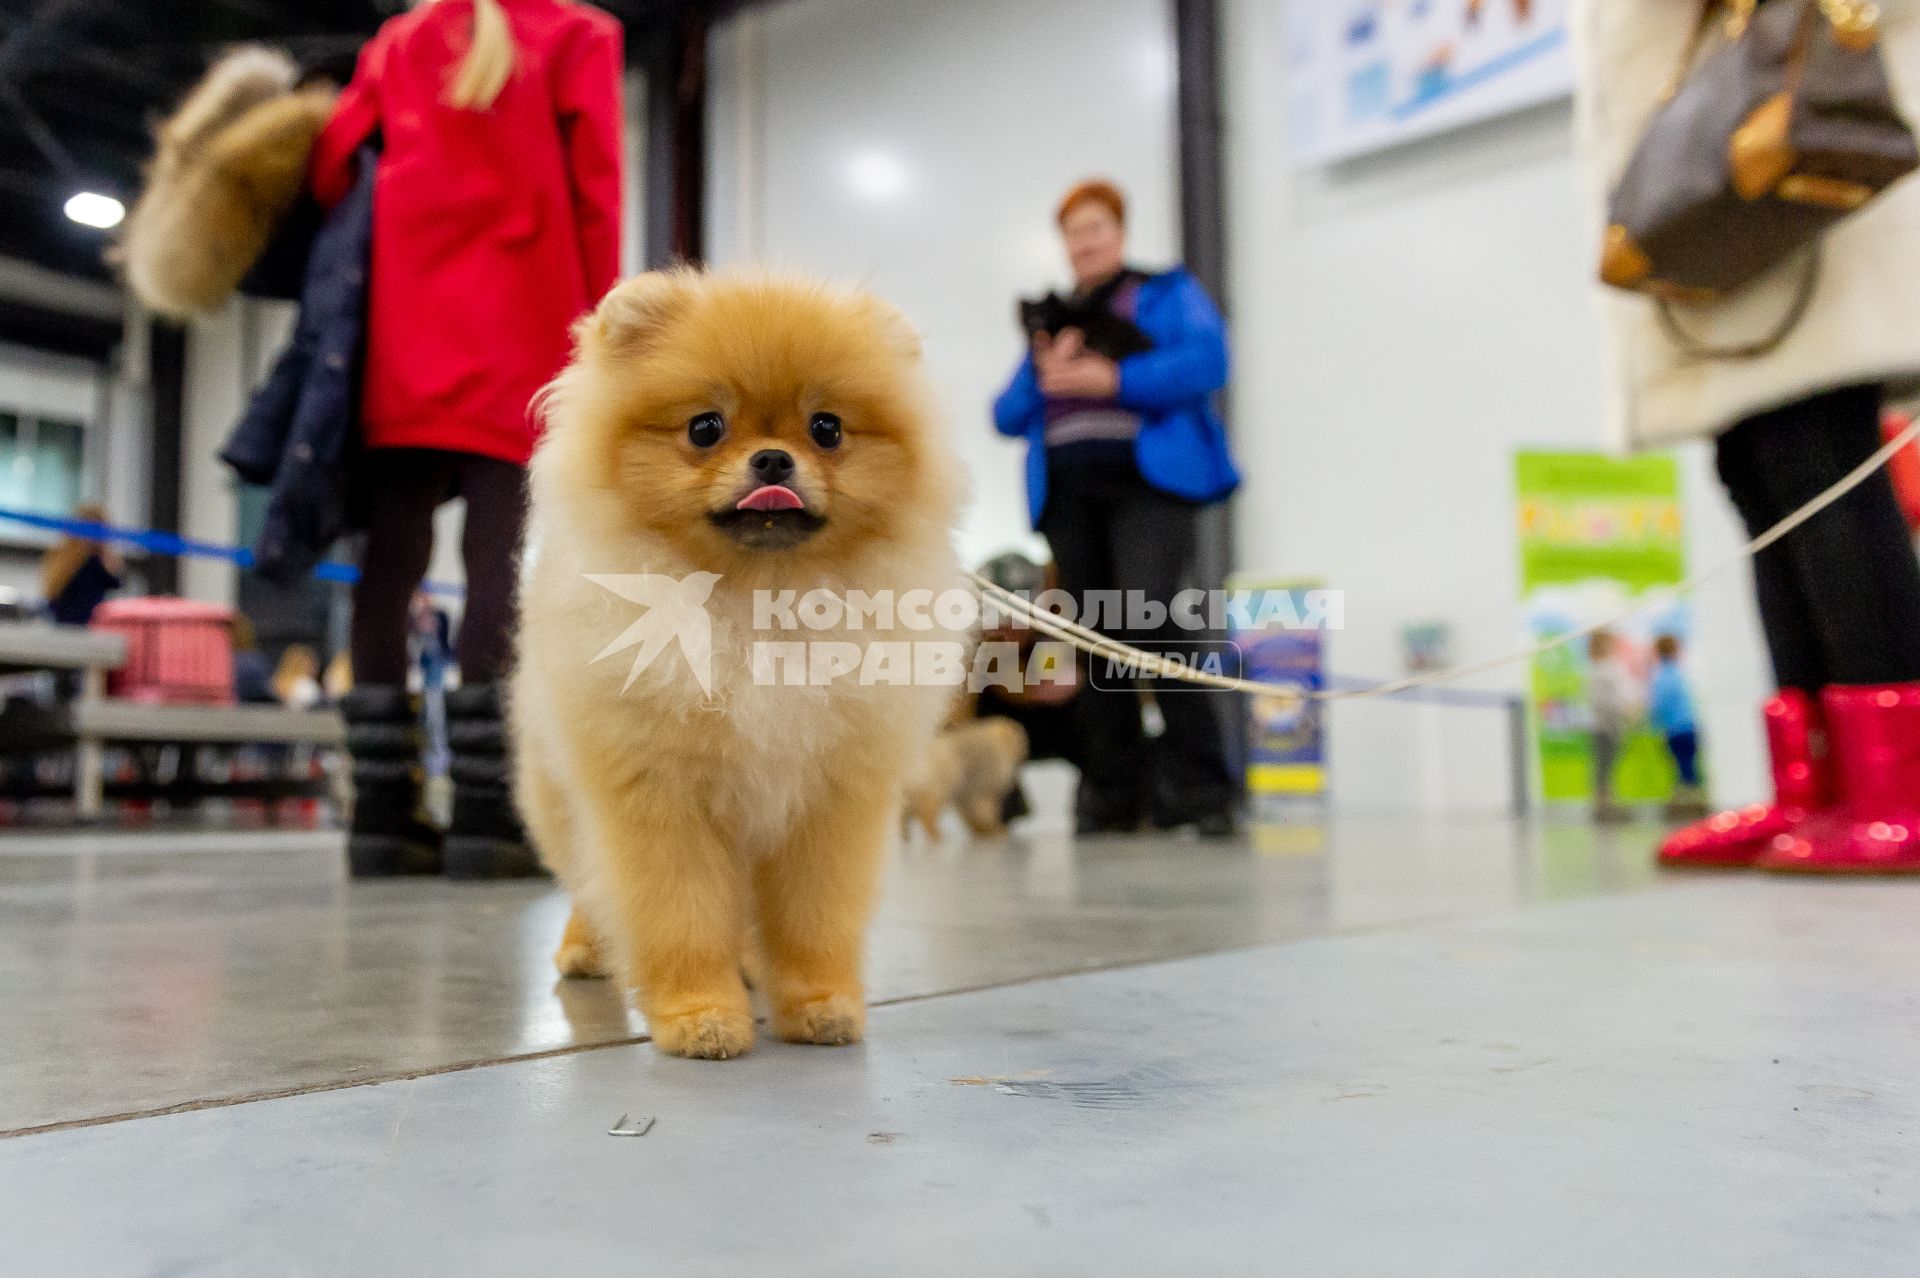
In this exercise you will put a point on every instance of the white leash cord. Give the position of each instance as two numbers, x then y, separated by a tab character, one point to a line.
1096	644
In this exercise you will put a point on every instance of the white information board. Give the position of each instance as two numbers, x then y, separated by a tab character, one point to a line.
1368	74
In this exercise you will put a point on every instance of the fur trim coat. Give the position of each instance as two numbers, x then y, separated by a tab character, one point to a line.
1864	321
228	166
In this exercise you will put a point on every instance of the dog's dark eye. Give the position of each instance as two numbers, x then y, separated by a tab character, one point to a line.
706	430
825	429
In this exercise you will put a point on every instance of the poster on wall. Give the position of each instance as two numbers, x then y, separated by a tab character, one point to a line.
1286	738
1597	533
1369	74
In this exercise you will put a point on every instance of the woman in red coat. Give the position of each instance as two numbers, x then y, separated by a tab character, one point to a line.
496	224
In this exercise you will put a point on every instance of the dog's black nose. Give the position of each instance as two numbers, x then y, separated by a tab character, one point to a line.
772	465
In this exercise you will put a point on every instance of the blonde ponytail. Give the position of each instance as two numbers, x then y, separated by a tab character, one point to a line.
489	61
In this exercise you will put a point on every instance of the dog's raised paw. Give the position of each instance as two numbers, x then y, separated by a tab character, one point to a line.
704	1035
833	1021
579	955
579	960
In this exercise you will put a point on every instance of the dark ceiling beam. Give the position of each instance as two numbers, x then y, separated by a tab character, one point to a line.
43	138
93	59
91	154
43	28
47	328
266	13
97	109
40	25
191	55
36	185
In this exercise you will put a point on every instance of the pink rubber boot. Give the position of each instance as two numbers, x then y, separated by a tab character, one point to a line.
1875	829
1802	786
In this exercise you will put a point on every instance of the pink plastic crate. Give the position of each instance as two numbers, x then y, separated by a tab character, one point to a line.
179	652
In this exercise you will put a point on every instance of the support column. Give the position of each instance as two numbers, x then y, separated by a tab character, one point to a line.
167	397
1202	143
1203	247
676	161
1203	206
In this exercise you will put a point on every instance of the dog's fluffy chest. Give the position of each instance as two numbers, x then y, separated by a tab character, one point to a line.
764	738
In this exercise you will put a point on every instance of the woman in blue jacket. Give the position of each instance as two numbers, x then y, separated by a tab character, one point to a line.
1123	449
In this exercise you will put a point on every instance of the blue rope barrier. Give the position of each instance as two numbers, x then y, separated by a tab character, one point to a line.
173	546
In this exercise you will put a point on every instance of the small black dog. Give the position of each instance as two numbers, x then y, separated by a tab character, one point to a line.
1105	333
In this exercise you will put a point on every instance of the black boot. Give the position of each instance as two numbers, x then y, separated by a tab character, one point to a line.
1098	813
485	840
388	836
1211	815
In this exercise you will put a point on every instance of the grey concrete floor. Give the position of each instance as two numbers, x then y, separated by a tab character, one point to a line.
146	972
1386	1046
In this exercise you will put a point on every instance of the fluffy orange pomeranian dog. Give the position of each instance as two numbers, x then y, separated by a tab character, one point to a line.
721	445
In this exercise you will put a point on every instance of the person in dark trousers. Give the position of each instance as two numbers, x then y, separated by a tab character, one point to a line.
1839	596
1114	399
496	224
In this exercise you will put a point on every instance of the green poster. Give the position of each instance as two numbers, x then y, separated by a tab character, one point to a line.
1596	534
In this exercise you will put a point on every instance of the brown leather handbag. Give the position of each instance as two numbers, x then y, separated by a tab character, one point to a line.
1781	123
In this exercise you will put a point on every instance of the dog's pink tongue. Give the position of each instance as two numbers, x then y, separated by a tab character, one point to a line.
772	497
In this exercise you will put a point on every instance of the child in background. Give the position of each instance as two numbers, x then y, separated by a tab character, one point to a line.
1613	698
1670	707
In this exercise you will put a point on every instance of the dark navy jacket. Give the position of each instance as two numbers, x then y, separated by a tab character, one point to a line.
301	428
1182	446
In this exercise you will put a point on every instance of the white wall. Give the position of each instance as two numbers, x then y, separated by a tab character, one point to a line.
1403	324
920	149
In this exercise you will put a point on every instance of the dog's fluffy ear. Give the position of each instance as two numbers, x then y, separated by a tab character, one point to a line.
629	318
902	338
634	312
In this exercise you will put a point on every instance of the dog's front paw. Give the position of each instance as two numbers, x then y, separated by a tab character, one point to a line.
709	1034
832	1021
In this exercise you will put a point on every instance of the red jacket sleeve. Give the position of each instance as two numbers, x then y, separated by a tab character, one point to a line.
356	116
587	92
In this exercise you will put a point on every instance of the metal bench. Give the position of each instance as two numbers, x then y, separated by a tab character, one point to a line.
30	648
92	720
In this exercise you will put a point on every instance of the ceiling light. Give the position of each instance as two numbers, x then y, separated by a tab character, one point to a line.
876	175
90	208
